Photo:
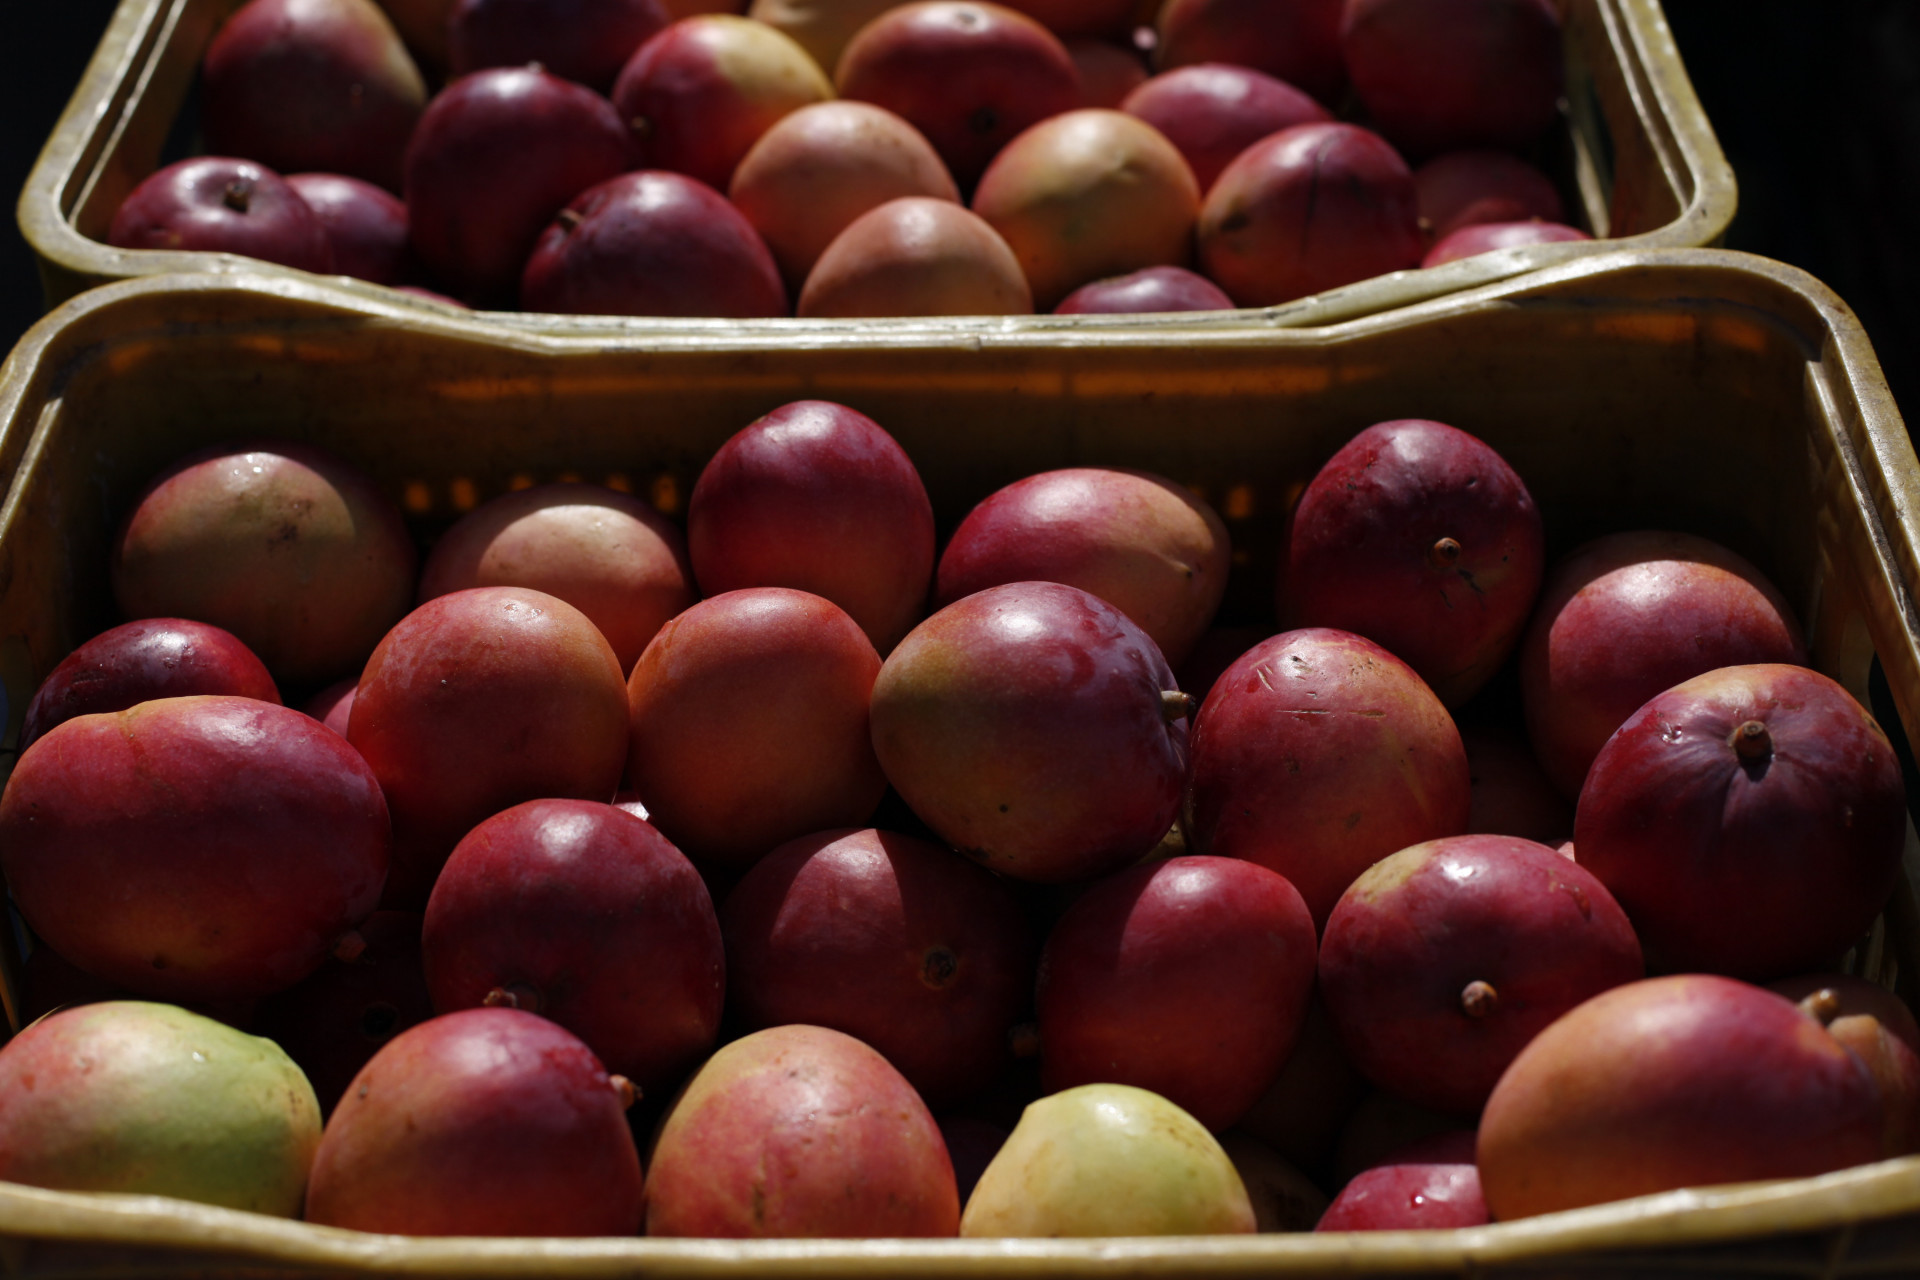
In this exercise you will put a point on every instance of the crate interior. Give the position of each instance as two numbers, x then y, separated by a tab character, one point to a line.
1712	402
1620	415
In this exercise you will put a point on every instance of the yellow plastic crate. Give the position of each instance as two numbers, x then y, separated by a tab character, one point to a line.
1707	390
1639	156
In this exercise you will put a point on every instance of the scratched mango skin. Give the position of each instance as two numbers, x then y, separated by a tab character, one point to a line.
1317	754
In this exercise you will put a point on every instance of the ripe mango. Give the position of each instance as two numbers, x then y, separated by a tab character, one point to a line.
149	1098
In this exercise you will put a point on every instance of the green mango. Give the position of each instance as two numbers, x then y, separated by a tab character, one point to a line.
1108	1160
148	1098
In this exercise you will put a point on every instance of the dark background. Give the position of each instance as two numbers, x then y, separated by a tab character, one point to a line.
1816	102
46	45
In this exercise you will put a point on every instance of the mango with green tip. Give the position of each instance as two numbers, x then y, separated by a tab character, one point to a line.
148	1098
1108	1160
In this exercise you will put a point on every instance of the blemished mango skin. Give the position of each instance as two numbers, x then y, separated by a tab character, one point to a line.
1309	208
294	551
969	75
1317	753
895	940
1419	536
146	1098
1088	194
590	915
476	701
1108	1160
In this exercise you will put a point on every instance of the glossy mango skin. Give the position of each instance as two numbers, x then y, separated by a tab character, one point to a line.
1422	538
201	848
597	918
142	660
817	497
1686	1080
748	724
1758	866
1026	725
1187	976
1444	960
1627	616
895	940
